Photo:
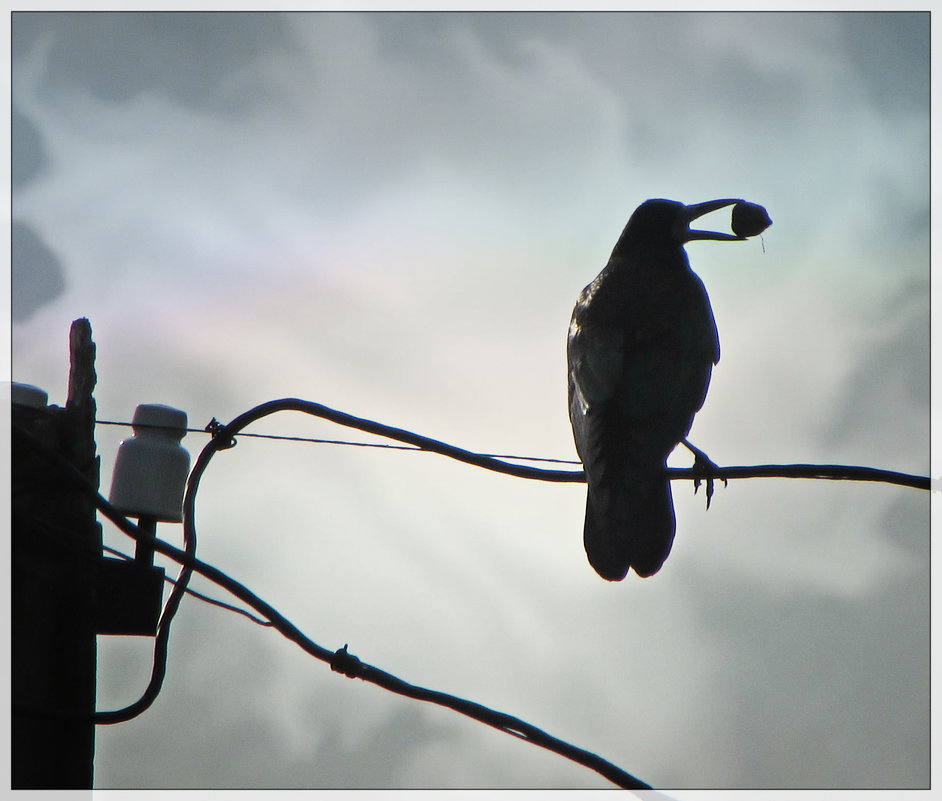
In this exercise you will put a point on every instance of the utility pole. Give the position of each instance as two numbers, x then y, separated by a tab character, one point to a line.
55	552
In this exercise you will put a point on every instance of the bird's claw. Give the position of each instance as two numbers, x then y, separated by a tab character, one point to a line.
703	462
709	487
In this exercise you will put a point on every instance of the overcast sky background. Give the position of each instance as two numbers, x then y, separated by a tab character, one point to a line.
393	215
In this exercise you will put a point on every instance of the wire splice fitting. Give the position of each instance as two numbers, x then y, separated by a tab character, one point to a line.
216	428
344	662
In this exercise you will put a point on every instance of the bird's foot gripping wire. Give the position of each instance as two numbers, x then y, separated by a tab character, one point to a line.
703	462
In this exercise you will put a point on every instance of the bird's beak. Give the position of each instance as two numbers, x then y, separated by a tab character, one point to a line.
698	210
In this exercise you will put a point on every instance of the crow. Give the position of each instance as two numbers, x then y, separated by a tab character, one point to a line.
641	348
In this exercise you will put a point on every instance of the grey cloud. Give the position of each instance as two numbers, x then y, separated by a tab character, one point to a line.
38	277
906	524
28	156
250	750
819	692
885	400
891	51
117	56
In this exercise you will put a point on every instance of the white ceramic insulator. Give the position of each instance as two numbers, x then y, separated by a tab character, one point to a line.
151	468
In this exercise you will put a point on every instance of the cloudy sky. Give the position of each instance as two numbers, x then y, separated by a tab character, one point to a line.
392	214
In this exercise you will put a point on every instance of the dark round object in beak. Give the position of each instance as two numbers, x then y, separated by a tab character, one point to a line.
749	219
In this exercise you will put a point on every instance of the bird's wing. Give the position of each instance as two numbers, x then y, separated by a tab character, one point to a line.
636	386
596	358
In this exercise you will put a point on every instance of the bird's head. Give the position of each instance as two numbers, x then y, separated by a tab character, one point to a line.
667	222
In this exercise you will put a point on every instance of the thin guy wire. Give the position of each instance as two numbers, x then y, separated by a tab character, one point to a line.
322	441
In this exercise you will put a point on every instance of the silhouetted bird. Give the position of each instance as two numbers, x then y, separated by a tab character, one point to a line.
642	345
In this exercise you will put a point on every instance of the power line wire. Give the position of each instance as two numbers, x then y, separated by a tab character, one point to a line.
223	438
340	661
499	464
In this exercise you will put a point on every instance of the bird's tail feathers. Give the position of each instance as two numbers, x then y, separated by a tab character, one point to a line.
630	525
